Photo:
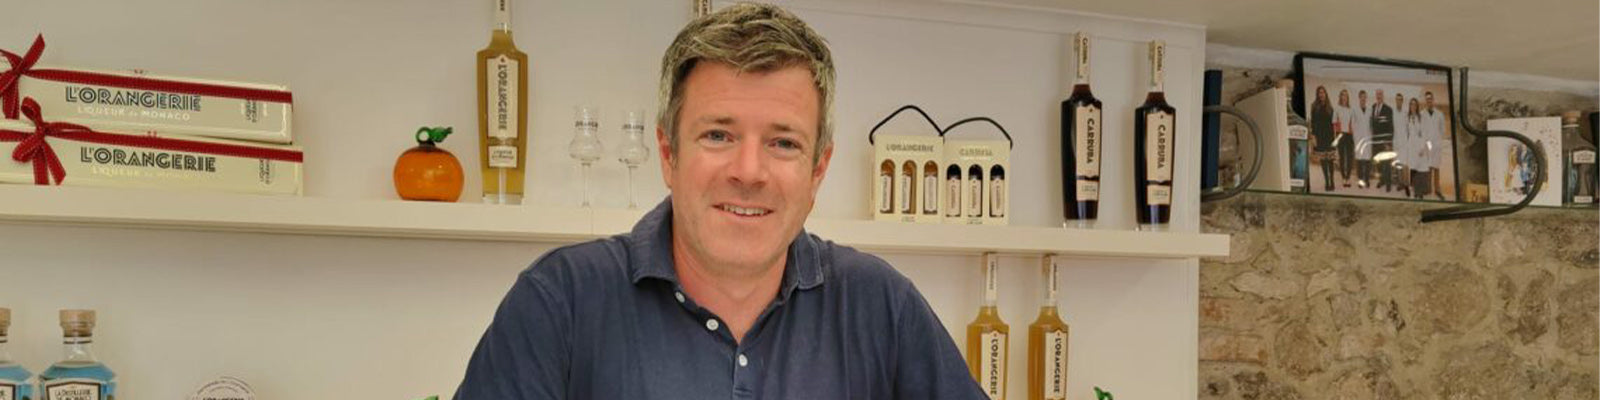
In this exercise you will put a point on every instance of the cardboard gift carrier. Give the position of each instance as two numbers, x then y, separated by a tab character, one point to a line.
905	173
975	178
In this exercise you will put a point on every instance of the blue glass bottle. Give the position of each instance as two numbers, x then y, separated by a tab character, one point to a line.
14	379
78	376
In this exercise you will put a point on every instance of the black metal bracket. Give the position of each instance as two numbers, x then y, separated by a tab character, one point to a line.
1480	210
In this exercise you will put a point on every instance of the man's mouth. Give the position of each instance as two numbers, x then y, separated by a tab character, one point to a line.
744	211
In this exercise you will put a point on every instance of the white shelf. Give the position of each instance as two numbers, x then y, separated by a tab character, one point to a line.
404	219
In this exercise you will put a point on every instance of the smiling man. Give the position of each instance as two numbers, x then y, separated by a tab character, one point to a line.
719	292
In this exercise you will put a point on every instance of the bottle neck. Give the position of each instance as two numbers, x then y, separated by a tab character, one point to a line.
77	349
1052	287
991	280
502	15
1080	57
5	349
1158	65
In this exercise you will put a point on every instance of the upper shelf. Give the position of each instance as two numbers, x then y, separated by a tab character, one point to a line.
403	219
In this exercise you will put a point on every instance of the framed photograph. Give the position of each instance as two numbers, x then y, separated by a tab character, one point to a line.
1379	128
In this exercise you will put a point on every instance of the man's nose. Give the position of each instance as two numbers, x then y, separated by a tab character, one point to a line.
749	167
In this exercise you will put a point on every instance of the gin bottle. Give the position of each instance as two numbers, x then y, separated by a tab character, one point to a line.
78	376
14	378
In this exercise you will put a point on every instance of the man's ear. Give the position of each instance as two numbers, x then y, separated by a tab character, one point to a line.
664	148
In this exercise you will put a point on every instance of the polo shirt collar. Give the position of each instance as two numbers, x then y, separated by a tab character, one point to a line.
650	256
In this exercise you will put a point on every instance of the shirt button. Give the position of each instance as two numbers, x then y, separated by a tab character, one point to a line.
679	295
743	362
711	324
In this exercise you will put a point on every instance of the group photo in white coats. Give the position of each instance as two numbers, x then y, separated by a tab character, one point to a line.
1379	131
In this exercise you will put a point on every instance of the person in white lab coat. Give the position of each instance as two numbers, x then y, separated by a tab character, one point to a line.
1361	130
1402	144
1433	127
1342	122
1417	149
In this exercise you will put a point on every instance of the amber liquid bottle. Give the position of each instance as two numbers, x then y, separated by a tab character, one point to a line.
988	341
886	187
1047	343
1153	153
930	189
908	188
502	112
1080	144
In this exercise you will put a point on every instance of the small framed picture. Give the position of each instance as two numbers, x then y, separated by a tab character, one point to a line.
1379	128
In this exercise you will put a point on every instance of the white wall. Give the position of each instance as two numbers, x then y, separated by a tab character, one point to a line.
334	317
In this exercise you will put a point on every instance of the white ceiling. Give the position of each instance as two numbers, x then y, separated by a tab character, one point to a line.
1552	38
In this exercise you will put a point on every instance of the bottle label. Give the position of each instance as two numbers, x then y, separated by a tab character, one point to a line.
974	196
1298	132
1088	190
1087	144
1583	157
885	190
1055	365
1158	160
997	197
905	193
930	194
71	389
502	97
1081	55
1583	199
502	156
952	200
993	365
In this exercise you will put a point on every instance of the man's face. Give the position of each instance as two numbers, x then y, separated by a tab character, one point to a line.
1427	100
743	179
1380	97
1363	97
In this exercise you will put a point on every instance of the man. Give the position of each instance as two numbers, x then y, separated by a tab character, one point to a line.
719	292
1361	119
1402	143
1433	124
1383	141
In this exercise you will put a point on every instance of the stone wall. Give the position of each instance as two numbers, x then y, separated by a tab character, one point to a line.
1332	298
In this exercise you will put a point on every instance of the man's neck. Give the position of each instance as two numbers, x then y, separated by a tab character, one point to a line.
737	294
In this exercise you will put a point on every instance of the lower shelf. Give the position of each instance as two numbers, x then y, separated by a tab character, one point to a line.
404	219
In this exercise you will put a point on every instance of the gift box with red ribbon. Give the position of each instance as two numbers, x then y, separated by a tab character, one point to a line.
47	152
134	102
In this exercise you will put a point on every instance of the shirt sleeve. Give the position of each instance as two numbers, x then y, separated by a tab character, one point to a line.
928	364
524	353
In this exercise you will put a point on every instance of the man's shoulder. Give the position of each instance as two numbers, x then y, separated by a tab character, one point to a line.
857	269
581	263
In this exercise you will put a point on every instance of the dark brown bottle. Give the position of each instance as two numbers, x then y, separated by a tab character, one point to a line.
1080	144
1153	155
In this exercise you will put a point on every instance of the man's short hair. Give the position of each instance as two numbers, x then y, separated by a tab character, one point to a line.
753	38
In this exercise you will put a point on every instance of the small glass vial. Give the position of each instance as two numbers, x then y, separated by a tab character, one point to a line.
14	379
907	188
1580	168
952	193
930	189
78	376
886	187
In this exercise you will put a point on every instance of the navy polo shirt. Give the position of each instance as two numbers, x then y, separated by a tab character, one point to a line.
608	319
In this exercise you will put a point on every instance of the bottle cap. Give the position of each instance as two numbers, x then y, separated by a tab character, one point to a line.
77	322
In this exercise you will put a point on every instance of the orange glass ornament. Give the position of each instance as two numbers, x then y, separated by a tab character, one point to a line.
427	172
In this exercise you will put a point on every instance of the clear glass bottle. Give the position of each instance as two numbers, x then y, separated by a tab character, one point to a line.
502	112
907	186
988	344
1080	144
78	376
886	187
930	188
1153	154
634	151
15	381
1580	162
585	146
1047	343
1299	136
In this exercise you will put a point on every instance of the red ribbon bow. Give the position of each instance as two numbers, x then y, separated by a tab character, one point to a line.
20	65
23	66
34	148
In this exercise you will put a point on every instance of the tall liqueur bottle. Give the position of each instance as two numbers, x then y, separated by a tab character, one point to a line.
1080	144
14	384
1299	134
987	336
502	112
1153	155
78	376
1047	343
